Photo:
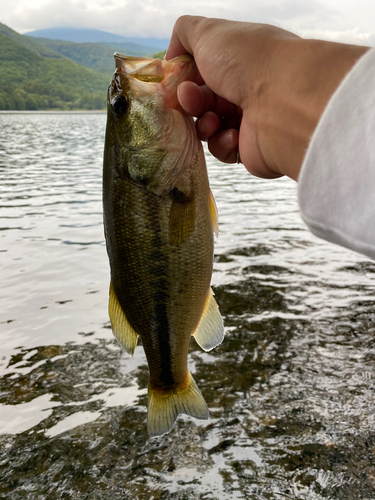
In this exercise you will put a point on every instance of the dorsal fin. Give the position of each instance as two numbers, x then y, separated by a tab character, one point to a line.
121	327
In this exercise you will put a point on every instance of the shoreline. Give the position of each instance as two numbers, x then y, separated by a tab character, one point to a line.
50	111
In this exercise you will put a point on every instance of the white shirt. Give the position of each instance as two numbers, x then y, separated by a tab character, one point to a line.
336	185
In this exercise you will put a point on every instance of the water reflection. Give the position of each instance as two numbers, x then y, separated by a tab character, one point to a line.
290	390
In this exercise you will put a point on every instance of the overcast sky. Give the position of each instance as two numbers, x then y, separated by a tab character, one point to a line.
341	20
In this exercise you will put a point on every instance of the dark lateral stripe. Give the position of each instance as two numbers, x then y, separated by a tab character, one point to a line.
158	270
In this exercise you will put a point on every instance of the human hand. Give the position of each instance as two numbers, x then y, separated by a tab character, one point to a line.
261	89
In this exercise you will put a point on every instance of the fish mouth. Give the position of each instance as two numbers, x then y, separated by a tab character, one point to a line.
155	71
144	69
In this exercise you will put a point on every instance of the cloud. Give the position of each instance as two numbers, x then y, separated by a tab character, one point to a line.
353	36
296	13
157	17
130	18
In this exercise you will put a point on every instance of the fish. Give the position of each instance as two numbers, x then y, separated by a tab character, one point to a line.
159	222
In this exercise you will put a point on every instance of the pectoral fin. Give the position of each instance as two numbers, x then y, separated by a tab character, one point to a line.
121	327
210	330
214	214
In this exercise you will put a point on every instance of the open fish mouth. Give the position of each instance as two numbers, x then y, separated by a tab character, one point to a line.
165	75
144	69
147	69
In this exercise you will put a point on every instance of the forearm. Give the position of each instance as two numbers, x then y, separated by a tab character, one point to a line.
303	75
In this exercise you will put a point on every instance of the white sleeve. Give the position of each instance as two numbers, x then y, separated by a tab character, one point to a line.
336	185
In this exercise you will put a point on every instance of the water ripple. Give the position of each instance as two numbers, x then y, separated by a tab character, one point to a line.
291	390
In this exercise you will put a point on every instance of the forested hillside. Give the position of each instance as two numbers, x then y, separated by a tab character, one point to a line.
40	73
33	76
85	35
30	81
97	56
29	43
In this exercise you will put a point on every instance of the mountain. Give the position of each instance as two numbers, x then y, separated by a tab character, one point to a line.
29	43
94	55
98	36
33	76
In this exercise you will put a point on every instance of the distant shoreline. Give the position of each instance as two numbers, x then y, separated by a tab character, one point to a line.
51	112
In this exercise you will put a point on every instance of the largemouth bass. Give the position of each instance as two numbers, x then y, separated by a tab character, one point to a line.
159	219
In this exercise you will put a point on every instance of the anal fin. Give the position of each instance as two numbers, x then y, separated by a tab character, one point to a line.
121	327
165	406
210	330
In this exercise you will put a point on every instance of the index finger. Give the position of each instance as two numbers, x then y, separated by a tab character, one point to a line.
196	100
182	39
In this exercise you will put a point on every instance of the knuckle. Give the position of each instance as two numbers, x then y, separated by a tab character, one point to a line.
180	21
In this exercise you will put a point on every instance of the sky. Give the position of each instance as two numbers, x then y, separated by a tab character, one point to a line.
350	21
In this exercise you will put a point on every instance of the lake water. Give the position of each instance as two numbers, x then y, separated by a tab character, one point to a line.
290	390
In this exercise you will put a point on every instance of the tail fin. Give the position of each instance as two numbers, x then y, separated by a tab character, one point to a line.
164	407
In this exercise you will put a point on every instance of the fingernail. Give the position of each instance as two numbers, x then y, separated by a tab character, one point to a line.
178	95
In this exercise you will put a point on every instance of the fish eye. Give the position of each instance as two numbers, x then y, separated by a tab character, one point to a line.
119	104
